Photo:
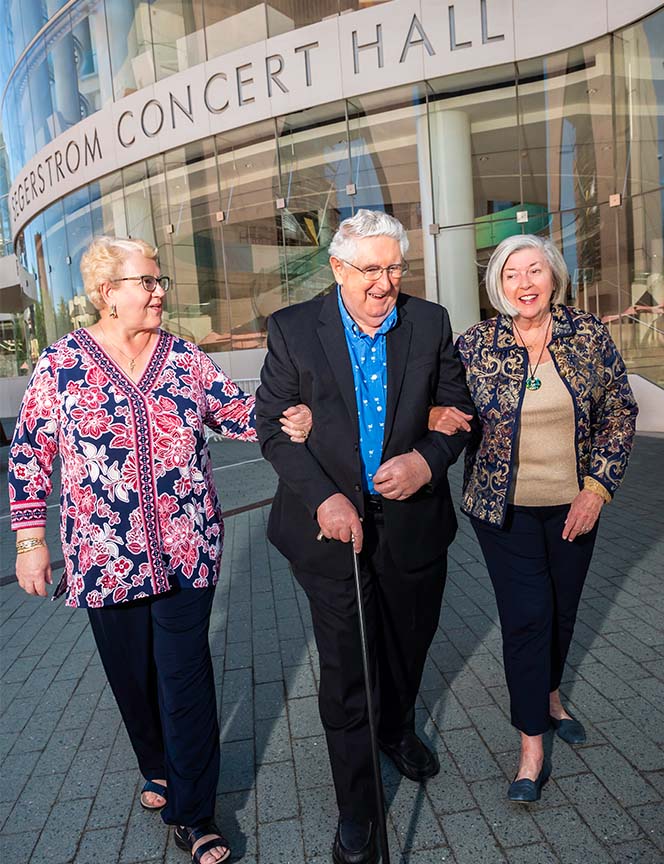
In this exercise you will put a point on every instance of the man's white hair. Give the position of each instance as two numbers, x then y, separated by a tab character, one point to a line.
366	223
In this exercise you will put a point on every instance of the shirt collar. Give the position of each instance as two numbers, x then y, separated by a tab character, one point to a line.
351	327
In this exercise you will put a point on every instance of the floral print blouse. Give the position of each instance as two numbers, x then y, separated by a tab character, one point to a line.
139	510
604	406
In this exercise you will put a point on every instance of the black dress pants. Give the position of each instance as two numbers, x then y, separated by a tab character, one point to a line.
402	612
157	658
538	578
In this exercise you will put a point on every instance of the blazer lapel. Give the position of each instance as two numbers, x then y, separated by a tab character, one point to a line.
398	346
333	340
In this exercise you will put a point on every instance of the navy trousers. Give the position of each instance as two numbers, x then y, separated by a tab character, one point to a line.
538	578
157	658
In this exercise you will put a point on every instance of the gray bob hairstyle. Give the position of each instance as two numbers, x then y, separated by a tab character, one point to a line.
494	270
366	223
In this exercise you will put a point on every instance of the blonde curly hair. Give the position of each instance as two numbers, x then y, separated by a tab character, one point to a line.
102	259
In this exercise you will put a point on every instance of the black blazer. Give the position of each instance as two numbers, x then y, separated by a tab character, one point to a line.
308	361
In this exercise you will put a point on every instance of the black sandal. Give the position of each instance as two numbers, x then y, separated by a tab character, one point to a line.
156	789
186	839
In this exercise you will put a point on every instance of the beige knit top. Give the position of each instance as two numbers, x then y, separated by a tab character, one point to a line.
545	461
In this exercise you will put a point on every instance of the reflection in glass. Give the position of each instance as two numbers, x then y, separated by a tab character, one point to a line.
201	303
78	224
642	310
234	24
313	155
386	166
130	43
249	184
639	60
177	35
566	152
242	221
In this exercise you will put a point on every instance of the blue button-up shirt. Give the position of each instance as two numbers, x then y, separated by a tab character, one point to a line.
368	357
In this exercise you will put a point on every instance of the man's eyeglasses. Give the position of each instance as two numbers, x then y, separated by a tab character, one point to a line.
148	282
374	272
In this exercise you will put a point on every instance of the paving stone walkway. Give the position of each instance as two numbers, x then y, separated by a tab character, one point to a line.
68	778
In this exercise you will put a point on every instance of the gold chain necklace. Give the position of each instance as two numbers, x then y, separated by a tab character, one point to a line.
132	360
533	383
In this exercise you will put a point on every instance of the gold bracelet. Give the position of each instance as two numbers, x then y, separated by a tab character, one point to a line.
29	543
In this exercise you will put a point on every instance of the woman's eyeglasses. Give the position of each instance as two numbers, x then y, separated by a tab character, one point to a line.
148	282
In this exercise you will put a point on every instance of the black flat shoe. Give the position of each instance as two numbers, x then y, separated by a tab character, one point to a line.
412	757
354	843
571	731
526	791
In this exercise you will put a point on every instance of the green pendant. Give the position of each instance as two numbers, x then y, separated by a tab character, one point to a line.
533	383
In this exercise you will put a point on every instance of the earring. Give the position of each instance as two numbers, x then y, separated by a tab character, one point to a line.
114	312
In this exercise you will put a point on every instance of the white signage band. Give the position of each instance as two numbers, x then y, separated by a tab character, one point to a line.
398	43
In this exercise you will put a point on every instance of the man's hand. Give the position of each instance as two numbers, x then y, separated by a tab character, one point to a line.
339	520
583	513
448	420
296	422
33	571
401	476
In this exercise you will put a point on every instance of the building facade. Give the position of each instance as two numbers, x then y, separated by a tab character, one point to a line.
236	136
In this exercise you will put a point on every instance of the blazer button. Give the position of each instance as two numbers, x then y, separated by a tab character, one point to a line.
358	488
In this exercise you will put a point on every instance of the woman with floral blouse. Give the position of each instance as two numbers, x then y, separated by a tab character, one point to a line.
125	405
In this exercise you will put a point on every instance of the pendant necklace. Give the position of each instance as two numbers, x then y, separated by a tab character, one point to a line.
132	360
532	382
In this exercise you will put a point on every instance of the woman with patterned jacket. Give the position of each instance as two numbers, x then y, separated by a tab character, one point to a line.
557	418
125	405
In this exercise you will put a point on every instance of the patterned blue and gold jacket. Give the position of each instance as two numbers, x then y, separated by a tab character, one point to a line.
605	410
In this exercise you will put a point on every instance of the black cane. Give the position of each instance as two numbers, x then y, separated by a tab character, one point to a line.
378	780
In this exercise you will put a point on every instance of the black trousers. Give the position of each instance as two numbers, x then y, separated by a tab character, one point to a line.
157	658
538	578
402	612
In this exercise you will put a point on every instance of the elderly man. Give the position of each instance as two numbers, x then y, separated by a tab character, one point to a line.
369	362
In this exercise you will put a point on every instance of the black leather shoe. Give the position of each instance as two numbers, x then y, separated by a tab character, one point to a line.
354	843
526	791
412	757
571	731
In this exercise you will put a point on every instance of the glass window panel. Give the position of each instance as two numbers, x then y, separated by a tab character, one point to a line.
36	103
17	129
283	15
108	206
39	319
54	268
313	154
93	70
145	200
388	147
130	43
351	5
233	24
642	320
639	60
253	249
565	121
177	34
5	230
202	304
78	221
65	101
484	107
586	238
